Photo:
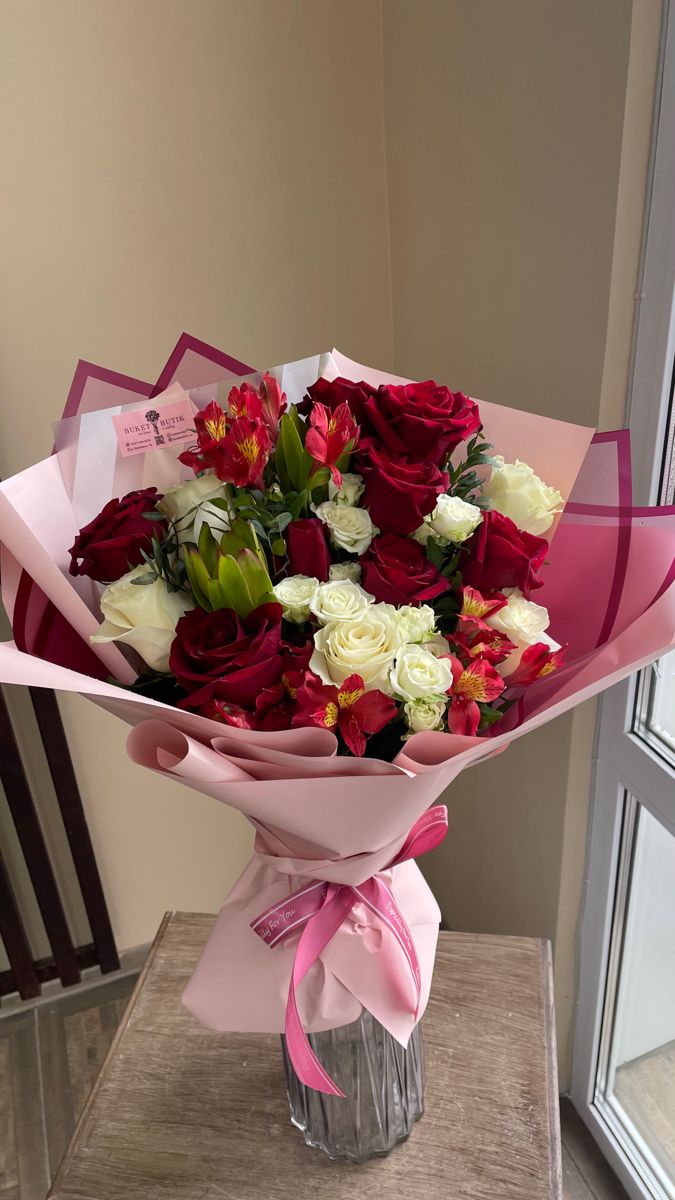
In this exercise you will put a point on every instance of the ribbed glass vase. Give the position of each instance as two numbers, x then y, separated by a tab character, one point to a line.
383	1086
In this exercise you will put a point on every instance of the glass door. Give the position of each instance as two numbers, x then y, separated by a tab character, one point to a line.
623	1081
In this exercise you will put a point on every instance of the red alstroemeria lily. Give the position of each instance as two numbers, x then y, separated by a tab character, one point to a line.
349	709
266	404
476	684
537	662
273	403
245	401
243	453
486	643
330	435
211	430
476	609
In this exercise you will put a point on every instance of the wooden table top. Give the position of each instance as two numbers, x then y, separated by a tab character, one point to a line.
181	1113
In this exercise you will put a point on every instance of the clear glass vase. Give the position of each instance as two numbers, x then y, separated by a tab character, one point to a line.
383	1086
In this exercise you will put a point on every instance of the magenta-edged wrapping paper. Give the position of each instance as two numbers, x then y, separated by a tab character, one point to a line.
610	592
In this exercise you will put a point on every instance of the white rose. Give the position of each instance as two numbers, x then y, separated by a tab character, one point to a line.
429	713
365	646
349	528
339	600
453	520
516	492
524	623
415	624
345	570
349	491
189	507
417	673
295	594
437	645
142	615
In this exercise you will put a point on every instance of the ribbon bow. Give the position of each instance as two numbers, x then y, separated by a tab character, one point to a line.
319	910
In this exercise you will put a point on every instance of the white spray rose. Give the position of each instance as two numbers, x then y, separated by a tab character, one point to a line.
516	492
421	715
415	624
524	623
437	645
349	528
453	520
365	646
190	506
345	570
339	600
350	490
142	615
295	594
417	674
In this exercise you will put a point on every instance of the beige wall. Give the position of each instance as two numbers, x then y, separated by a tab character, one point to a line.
517	141
220	166
216	166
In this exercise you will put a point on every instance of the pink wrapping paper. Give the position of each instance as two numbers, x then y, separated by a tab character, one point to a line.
610	593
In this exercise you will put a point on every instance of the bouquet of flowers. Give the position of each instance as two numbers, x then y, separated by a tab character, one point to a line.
356	562
323	593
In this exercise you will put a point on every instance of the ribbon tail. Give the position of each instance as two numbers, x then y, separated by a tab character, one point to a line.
315	936
378	898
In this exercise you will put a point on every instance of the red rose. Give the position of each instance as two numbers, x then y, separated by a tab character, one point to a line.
334	392
114	541
308	552
501	555
221	656
425	421
275	706
395	570
399	492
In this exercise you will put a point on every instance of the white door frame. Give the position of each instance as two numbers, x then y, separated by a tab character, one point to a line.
625	764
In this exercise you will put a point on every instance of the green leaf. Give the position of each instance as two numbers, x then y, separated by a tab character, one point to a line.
199	578
233	586
297	420
299	504
208	548
144	580
215	596
260	530
278	548
256	575
319	479
434	552
293	451
489	716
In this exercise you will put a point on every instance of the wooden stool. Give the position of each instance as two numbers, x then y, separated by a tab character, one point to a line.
180	1113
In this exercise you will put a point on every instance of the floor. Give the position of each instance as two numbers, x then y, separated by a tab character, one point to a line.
586	1175
645	1089
50	1055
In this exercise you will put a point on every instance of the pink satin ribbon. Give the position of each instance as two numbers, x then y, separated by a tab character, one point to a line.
318	910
